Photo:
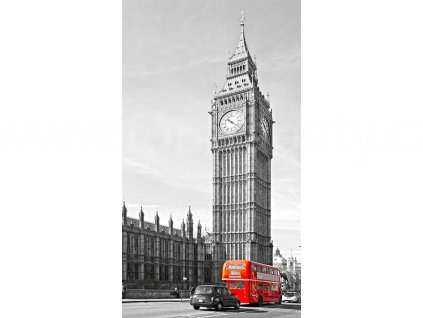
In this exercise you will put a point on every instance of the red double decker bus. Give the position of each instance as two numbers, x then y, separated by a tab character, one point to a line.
251	282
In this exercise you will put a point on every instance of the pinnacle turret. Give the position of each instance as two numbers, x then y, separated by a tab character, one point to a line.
170	225
190	223
183	228
124	214
141	218
199	230
157	221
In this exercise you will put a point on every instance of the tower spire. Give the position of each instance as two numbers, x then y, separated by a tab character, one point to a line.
241	51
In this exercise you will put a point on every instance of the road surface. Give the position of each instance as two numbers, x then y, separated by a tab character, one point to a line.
184	309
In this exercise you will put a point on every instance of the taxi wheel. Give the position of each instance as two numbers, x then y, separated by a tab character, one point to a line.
196	307
237	305
219	306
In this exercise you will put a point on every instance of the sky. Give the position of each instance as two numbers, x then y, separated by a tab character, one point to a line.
174	52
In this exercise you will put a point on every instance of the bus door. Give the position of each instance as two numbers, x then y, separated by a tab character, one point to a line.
254	292
239	289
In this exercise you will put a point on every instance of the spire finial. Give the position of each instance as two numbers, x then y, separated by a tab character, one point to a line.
242	20
242	23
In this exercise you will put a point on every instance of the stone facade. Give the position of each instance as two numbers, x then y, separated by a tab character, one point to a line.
241	144
155	256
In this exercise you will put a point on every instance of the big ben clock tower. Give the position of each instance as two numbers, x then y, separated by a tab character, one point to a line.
242	150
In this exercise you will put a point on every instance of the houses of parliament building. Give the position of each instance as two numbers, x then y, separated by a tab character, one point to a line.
155	256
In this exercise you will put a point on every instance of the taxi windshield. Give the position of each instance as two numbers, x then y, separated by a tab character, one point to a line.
204	290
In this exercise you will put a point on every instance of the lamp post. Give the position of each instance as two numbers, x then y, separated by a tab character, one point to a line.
184	279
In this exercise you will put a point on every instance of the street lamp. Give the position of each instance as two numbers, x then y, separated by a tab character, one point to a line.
184	279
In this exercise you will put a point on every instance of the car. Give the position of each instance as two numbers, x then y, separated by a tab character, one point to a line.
294	297
213	296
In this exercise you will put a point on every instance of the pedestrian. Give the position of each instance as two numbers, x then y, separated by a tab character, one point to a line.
123	290
192	290
177	291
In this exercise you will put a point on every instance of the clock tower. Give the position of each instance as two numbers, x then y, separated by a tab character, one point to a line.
241	144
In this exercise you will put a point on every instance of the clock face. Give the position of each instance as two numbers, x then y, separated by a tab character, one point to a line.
232	121
265	127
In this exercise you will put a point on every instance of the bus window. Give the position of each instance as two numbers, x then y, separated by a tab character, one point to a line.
236	285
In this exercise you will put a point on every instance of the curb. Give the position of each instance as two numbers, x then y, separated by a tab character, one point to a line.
154	301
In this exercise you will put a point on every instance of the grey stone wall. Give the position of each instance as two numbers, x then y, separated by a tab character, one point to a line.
153	294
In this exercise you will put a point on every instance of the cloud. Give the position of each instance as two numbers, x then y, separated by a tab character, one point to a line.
138	205
142	168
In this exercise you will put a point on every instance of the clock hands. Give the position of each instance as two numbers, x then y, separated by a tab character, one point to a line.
235	126
231	122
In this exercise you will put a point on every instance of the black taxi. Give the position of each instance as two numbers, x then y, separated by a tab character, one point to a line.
213	296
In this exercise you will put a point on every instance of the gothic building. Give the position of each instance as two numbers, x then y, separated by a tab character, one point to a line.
155	256
290	270
241	144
